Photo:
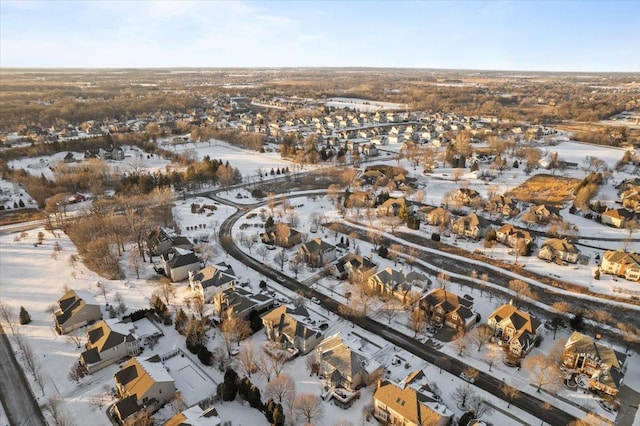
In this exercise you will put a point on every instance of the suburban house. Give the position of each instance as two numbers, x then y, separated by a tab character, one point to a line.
177	263
417	279
471	226
143	386
446	308
410	402
621	263
618	218
343	365
317	252
161	240
360	199
354	266
432	215
392	207
241	302
392	282
466	197
516	328
109	341
602	364
511	236
281	235
212	280
503	205
544	214
292	328
631	199
195	416
558	250
76	308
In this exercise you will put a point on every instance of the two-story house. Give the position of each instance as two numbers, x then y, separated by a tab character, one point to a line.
410	403
502	205
558	250
178	263
211	280
392	282
317	252
449	309
621	263
354	267
602	364
241	302
514	327
471	226
291	328
76	308
109	341
143	385
511	236
343	365
619	218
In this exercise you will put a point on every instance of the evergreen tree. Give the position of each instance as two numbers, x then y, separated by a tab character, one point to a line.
254	397
25	318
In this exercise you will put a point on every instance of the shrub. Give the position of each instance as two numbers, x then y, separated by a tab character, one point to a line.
435	237
25	318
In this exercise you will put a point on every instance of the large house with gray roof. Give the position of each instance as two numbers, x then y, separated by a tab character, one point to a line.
516	328
211	280
446	308
177	263
76	308
292	328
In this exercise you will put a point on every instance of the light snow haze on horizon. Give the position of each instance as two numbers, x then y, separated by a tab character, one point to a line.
503	35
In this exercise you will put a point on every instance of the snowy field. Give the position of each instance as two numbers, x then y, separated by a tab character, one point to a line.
12	194
135	160
365	105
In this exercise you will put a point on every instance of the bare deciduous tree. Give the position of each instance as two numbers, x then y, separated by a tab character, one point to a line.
167	289
510	393
233	330
59	414
462	394
461	344
543	372
75	337
282	389
308	408
492	356
247	360
9	317
481	335
135	260
280	258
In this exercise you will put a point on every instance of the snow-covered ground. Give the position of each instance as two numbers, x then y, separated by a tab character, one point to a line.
363	104
12	195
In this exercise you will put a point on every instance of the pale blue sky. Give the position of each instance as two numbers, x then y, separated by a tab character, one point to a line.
504	35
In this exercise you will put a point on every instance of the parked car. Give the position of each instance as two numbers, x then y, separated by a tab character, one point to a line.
315	300
466	378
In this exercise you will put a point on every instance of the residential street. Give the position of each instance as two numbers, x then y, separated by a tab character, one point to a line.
15	394
486	382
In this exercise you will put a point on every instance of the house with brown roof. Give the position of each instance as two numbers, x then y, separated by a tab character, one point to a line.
618	218
195	416
622	264
282	235
292	328
317	252
410	403
544	214
109	341
447	308
211	280
143	386
354	266
76	308
503	205
631	199
432	215
471	226
558	250
602	364
466	197
511	236
393	282
392	207
516	328
344	365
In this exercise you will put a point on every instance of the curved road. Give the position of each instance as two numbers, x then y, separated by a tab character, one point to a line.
16	396
524	401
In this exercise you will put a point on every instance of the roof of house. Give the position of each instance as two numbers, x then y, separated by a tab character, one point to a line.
582	344
215	275
291	322
619	256
127	406
522	321
356	261
560	245
342	355
181	258
137	376
73	301
413	405
195	416
472	219
620	213
389	276
316	245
